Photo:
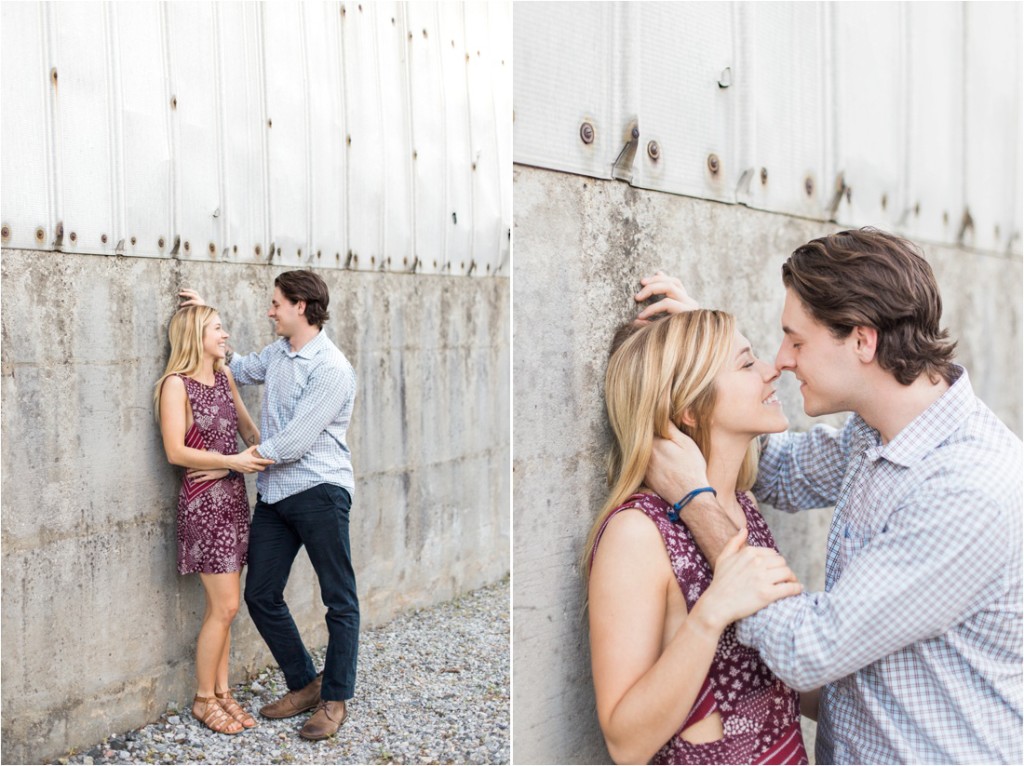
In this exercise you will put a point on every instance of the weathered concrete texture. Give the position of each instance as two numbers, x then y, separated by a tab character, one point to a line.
98	627
581	247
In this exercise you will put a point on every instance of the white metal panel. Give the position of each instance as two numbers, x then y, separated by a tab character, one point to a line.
993	130
429	143
483	72
781	82
211	131
684	51
500	18
564	71
195	136
144	125
380	210
870	110
935	123
459	214
327	133
26	193
243	210
83	126
288	131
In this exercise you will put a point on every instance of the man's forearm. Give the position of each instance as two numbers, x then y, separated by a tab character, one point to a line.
710	525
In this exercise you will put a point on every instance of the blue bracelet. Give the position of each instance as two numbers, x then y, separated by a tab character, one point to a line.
673	515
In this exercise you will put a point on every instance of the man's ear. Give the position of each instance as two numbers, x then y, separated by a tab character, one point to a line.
865	343
300	306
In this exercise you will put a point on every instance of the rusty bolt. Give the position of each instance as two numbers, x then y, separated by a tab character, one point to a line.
270	123
587	133
300	252
258	249
635	132
6	232
187	246
213	248
160	242
945	216
653	150
764	176
474	166
40	234
103	238
917	209
234	248
415	154
373	260
849	194
424	34
53	75
885	201
174	102
713	164
348	140
809	186
360	8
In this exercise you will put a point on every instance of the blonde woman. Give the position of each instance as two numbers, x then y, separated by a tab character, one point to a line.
201	415
672	683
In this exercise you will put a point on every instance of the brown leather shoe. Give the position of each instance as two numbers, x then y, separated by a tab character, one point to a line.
293	703
325	721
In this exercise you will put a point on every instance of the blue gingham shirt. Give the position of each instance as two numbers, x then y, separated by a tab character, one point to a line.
307	405
917	637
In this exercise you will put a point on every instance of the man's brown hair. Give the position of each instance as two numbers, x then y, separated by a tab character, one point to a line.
309	287
869	278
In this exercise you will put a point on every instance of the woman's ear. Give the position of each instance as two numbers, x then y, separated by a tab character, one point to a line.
687	419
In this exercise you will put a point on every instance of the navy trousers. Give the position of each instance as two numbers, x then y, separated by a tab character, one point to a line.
318	519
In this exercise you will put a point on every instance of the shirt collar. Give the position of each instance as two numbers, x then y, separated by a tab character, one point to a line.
308	351
933	426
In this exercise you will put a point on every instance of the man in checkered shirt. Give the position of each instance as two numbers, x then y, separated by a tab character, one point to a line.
303	499
916	641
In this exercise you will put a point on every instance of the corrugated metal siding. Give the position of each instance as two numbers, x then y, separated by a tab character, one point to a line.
901	115
345	135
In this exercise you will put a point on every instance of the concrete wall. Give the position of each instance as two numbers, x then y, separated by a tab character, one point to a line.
581	247
98	628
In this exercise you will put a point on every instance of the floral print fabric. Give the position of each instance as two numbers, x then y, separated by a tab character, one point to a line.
213	517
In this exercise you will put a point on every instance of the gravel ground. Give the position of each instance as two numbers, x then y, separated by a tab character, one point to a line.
432	687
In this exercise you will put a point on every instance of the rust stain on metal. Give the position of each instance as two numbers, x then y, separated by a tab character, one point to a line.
40	234
653	150
885	201
809	186
74	237
174	102
713	164
587	133
258	250
53	76
213	248
103	238
160	242
5	232
764	176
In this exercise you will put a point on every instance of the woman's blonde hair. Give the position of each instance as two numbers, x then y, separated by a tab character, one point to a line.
658	373
186	335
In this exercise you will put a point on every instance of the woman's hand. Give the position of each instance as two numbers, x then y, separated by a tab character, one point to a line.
249	462
747	578
206	474
675	301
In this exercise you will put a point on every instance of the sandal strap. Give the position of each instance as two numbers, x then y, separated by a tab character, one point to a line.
236	711
215	717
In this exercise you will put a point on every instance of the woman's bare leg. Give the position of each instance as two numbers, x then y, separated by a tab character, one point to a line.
222	600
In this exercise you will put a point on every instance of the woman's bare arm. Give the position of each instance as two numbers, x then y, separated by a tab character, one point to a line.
173	420
246	427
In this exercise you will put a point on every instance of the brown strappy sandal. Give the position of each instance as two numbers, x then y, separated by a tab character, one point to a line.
233	709
214	717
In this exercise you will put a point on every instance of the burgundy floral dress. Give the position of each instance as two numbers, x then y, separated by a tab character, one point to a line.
213	516
760	714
